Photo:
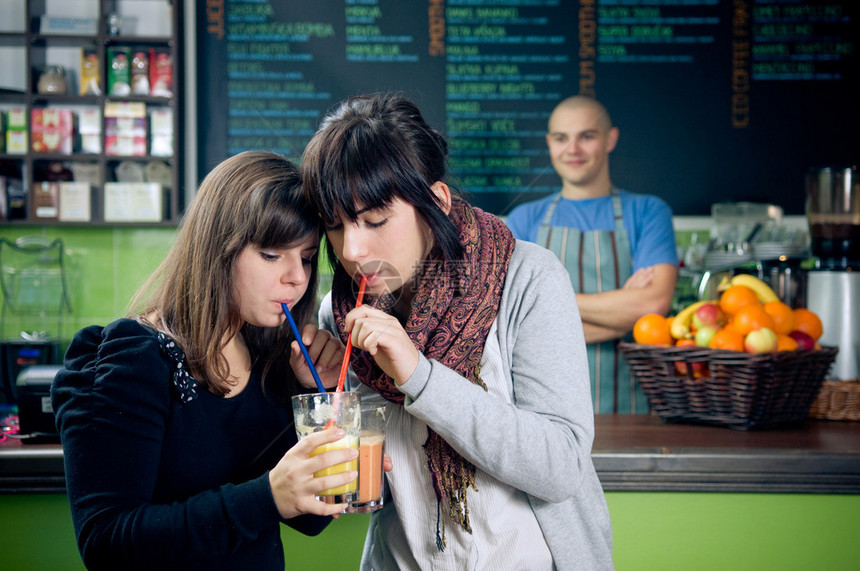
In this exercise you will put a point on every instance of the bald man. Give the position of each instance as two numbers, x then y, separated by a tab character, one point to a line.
618	247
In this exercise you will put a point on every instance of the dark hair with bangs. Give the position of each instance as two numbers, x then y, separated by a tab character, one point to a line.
251	198
372	149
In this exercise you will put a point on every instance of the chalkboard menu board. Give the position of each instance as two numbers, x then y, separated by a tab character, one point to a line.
730	100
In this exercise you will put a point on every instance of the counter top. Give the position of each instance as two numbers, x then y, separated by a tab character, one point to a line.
642	453
630	453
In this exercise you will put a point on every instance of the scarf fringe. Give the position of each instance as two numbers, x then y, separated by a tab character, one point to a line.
440	537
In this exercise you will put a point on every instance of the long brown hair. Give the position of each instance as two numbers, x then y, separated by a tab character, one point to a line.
251	198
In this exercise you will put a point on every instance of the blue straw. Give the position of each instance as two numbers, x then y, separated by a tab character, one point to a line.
304	349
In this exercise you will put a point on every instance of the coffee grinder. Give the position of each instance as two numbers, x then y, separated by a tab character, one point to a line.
833	286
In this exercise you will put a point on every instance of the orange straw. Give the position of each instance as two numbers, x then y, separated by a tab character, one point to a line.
345	365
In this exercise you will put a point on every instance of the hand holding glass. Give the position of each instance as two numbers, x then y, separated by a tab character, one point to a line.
312	413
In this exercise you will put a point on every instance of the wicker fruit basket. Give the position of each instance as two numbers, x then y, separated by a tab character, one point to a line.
744	391
837	400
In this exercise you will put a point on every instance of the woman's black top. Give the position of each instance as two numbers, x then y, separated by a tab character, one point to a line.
161	473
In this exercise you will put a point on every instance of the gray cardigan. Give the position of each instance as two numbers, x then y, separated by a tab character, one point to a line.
541	446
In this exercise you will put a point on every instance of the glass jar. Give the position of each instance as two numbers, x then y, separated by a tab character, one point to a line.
113	23
52	80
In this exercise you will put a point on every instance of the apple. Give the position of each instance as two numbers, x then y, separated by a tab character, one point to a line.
762	340
704	334
804	340
700	369
709	315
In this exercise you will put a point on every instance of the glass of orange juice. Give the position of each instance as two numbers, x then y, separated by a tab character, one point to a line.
318	411
370	455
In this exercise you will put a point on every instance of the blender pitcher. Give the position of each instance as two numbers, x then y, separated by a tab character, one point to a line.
833	213
833	287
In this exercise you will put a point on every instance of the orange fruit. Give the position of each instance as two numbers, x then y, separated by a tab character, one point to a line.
751	317
782	316
730	325
669	320
652	329
808	322
727	338
685	343
736	297
785	343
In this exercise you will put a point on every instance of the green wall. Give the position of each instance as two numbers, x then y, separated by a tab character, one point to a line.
105	266
652	531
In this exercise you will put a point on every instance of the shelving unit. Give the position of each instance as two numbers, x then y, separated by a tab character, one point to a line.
36	35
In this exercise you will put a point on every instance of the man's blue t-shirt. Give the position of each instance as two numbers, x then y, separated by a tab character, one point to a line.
647	219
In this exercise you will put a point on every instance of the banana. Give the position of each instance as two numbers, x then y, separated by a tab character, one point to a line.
680	327
763	292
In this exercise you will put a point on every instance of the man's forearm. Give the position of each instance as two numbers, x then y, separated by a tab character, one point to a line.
598	333
617	310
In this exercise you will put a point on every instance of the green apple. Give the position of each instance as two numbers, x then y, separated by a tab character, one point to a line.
704	334
761	340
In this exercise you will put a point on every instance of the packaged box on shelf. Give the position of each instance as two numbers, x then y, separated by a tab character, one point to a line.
90	129
90	120
125	126
90	83
125	109
46	200
52	141
16	119
75	201
161	132
119	70
140	72
160	73
52	130
133	202
16	199
125	130
161	120
125	145
51	118
17	142
161	145
68	26
91	143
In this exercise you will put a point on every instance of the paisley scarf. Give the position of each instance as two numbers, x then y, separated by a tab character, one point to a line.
452	312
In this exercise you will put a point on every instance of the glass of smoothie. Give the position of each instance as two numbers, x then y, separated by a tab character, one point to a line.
319	411
370	451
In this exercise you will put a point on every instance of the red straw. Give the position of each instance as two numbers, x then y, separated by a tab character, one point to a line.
345	365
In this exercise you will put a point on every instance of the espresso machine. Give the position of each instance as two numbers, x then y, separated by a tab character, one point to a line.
833	286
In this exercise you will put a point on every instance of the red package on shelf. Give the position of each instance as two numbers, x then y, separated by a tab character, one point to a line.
160	73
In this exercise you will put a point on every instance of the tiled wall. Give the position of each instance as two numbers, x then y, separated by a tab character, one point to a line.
104	265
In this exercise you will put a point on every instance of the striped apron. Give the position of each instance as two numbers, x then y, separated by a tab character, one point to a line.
598	261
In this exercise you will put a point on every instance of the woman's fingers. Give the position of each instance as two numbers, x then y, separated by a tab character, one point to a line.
292	480
384	338
324	349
